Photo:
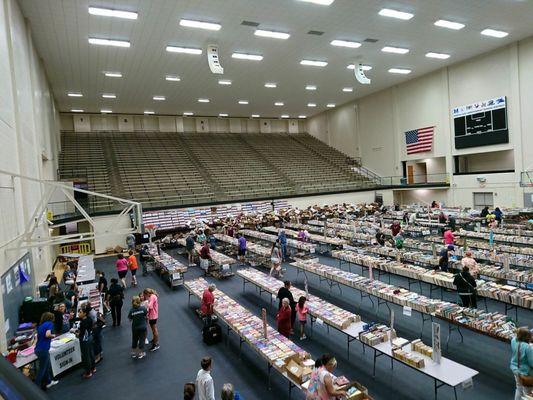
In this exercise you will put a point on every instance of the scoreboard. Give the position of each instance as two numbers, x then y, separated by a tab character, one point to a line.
481	124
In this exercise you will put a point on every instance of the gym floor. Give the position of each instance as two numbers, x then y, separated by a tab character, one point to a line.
162	374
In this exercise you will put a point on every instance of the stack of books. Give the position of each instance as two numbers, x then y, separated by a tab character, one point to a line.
272	238
419	346
373	335
165	261
409	358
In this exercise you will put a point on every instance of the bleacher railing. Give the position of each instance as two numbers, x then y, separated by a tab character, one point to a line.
416	180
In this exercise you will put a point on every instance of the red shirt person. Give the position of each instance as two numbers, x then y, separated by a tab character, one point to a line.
283	318
208	300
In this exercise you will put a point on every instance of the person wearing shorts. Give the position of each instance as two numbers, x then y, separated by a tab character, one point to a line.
137	315
122	268
153	313
242	248
134	266
302	310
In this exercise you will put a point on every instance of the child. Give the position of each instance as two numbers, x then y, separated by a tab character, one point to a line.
137	316
302	310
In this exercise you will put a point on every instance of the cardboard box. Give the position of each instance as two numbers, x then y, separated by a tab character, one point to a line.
296	370
360	394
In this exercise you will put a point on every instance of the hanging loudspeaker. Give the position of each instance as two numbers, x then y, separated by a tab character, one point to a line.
360	75
212	58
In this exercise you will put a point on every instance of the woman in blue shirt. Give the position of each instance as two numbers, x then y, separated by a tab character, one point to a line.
42	348
521	360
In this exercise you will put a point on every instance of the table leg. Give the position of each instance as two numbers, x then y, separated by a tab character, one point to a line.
269	368
374	370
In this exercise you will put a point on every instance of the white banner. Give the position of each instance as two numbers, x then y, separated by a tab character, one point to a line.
65	356
480	106
435	330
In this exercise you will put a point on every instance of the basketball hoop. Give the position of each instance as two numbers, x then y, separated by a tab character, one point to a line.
151	229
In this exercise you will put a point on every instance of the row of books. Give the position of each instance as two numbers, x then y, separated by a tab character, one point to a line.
499	248
275	347
216	257
520	231
480	321
527	240
165	261
501	292
272	238
327	312
251	247
331	240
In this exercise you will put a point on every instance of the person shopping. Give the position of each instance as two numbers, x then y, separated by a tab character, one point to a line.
44	378
470	262
122	268
189	391
466	288
302	310
137	315
85	336
208	304
275	259
321	383
283	318
115	297
133	266
522	362
153	314
204	381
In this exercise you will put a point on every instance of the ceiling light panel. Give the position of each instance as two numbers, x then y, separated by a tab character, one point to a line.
314	63
255	116
284	116
203	100
244	56
387	12
302	116
243	102
345	43
74	94
271	85
347	89
401	71
330	105
311	104
183	50
271	34
109	42
449	24
320	2
109	96
106	111
110	74
395	50
210	26
188	113
76	110
106	12
172	78
440	56
310	87
494	33
149	112
226	82
279	104
365	67
222	115
159	98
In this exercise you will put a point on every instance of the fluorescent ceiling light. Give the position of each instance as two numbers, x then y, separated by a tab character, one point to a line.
330	105
244	56
311	105
321	2
402	71
494	33
109	42
271	85
109	96
284	116
149	112
387	12
243	101
159	98
449	24
183	50
106	12
314	63
441	56
188	113
106	111
70	94
210	26
173	78
271	34
395	50
255	115
76	110
365	67
347	89
224	82
345	43
113	74
310	87
222	115
279	104
203	100
302	116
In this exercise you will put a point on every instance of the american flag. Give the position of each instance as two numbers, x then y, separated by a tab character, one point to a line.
419	140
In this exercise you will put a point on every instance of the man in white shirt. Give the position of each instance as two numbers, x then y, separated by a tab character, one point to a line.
204	382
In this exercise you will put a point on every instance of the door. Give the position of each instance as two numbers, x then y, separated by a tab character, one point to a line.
421	173
410	174
482	199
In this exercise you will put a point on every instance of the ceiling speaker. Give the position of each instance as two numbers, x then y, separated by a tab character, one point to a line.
212	58
360	75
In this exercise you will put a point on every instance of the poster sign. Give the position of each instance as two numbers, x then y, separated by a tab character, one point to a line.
370	272
264	318
306	288
407	311
435	337
65	356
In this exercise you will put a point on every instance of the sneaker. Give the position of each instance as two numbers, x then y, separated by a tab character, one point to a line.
155	347
141	355
87	376
133	355
303	337
52	383
94	371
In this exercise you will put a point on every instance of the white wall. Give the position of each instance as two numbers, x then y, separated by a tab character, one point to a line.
421	196
353	197
108	224
29	137
376	131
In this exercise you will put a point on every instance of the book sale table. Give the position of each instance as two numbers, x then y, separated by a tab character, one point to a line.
221	261
309	247
444	372
277	350
169	268
261	252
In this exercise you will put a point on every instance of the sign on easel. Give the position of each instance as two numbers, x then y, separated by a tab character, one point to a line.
264	318
433	249
435	335
506	263
370	272
306	288
391	336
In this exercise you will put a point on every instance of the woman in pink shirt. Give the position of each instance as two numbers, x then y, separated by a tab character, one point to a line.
471	263
448	237
302	310
122	268
153	313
